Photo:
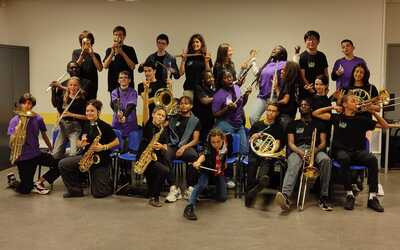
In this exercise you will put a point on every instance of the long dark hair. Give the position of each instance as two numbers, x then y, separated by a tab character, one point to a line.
292	80
203	48
281	56
222	54
365	79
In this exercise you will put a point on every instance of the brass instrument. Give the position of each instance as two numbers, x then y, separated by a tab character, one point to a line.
90	157
382	98
163	97
148	155
17	140
309	172
117	43
360	94
251	64
263	145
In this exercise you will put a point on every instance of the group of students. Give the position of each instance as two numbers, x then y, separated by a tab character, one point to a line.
211	107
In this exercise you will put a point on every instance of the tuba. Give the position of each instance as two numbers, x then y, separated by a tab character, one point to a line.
163	97
90	157
263	146
17	140
309	172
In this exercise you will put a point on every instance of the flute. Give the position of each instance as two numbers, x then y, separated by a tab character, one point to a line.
59	79
66	109
189	55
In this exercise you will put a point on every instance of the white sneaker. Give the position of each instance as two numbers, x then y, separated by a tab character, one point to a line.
380	190
188	193
230	184
173	195
40	189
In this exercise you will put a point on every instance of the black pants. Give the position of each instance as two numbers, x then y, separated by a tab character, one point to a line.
360	157
190	155
27	169
156	173
256	162
100	180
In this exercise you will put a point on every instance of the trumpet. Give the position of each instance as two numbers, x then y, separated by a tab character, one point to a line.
117	44
251	64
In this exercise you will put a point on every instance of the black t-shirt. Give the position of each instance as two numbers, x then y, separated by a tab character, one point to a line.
200	110
149	130
318	102
194	68
349	131
87	68
119	64
77	107
303	131
181	125
217	72
159	68
154	86
313	65
107	136
289	108
274	129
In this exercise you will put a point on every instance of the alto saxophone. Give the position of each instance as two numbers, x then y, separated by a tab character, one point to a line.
17	140
90	157
148	155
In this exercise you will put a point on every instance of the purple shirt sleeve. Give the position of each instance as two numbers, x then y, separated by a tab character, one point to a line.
11	126
218	101
42	126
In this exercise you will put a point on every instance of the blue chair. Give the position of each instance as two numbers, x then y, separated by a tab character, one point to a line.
134	140
233	158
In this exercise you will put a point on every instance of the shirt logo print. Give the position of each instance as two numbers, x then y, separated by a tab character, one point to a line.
299	130
342	125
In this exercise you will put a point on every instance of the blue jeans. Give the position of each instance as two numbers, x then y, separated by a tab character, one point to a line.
226	127
221	191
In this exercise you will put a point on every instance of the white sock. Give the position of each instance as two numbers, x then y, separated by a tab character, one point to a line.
372	195
350	193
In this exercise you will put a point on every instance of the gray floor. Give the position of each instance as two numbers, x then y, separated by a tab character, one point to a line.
51	222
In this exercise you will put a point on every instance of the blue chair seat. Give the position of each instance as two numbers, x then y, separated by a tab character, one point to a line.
231	160
128	156
352	167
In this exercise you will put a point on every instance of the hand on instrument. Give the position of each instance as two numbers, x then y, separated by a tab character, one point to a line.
169	83
158	146
68	114
98	147
55	84
184	55
180	151
231	106
309	87
84	142
248	91
207	57
302	154
338	109
244	65
340	70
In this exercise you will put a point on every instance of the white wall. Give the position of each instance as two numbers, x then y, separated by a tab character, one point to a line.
4	30
50	29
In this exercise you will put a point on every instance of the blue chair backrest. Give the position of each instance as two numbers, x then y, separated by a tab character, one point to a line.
134	139
118	134
235	143
54	135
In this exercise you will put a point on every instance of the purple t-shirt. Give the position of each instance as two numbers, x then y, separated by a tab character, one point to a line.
225	96
348	65
127	96
267	74
35	125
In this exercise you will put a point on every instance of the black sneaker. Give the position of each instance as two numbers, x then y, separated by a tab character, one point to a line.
324	204
375	205
252	194
188	213
349	203
283	201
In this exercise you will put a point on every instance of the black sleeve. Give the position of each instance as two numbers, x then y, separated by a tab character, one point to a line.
368	123
75	55
85	128
97	57
164	137
140	88
292	128
255	128
107	133
176	75
334	119
374	91
56	98
324	61
199	92
303	61
141	68
129	108
108	52
132	55
280	135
